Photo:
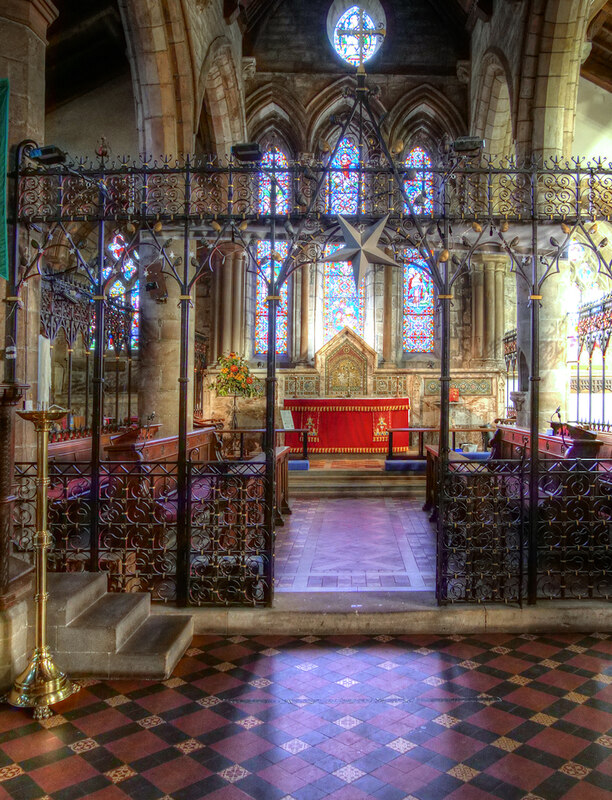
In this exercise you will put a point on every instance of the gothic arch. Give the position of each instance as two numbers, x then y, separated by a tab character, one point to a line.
272	108
492	115
332	99
162	75
424	114
220	97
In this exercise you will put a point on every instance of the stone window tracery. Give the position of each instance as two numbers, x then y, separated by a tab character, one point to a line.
124	294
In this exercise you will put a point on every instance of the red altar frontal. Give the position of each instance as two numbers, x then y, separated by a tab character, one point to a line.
349	425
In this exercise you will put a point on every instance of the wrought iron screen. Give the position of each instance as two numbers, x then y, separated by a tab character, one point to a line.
228	548
484	548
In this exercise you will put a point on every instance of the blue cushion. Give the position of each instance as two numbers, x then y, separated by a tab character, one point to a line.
295	466
477	456
405	465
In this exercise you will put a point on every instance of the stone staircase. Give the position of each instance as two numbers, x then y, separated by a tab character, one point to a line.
355	483
95	633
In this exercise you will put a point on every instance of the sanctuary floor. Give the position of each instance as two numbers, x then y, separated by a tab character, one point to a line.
284	718
355	544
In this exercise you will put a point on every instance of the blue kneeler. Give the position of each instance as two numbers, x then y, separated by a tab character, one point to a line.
297	466
405	465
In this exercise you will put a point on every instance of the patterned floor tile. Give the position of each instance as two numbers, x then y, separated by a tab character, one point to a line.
333	717
320	547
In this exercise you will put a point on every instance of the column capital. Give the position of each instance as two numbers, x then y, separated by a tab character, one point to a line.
37	15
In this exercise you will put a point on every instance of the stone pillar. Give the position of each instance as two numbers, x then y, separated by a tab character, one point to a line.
304	312
477	309
159	357
238	282
500	297
554	370
388	315
23	32
488	324
226	274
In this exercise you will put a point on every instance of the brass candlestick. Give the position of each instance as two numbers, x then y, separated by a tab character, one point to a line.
41	683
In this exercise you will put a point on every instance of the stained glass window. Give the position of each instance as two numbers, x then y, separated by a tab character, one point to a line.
356	37
261	307
418	327
342	304
125	292
343	183
422	184
274	161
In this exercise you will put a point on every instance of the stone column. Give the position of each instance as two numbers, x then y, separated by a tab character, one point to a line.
159	357
387	314
477	309
238	283
226	274
554	370
500	322
23	31
304	312
488	324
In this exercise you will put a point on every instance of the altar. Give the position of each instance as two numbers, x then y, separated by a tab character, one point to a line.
348	425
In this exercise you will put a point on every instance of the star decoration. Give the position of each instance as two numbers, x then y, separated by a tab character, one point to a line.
361	249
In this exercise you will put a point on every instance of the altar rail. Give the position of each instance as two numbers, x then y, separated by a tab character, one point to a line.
227	547
483	544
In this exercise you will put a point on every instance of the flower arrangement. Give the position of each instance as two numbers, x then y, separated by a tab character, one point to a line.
235	378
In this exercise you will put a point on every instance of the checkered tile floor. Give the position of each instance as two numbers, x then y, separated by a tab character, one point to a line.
395	718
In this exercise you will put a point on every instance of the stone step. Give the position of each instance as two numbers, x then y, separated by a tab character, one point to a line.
349	483
155	648
70	593
94	633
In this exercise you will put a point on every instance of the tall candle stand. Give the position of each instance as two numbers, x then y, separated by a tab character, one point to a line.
41	684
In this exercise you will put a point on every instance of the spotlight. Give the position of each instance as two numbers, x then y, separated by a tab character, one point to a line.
247	151
151	286
49	154
468	144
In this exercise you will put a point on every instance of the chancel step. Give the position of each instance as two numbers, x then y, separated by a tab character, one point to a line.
95	633
356	483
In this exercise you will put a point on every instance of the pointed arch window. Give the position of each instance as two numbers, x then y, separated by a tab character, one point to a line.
123	312
420	188
418	316
344	177
275	165
343	305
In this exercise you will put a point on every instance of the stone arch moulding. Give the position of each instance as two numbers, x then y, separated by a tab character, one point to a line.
271	108
549	79
424	114
493	116
332	99
221	97
159	55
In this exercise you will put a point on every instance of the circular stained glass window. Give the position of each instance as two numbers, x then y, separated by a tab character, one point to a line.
357	36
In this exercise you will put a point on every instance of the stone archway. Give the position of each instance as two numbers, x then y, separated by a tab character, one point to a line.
221	98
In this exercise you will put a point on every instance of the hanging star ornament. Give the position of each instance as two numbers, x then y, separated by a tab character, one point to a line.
361	249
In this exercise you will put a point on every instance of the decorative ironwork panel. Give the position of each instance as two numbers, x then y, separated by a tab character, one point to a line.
231	550
481	535
136	507
575	530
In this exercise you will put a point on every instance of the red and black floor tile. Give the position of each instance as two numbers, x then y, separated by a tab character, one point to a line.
518	717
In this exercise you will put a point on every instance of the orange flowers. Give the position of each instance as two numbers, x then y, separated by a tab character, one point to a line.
235	378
